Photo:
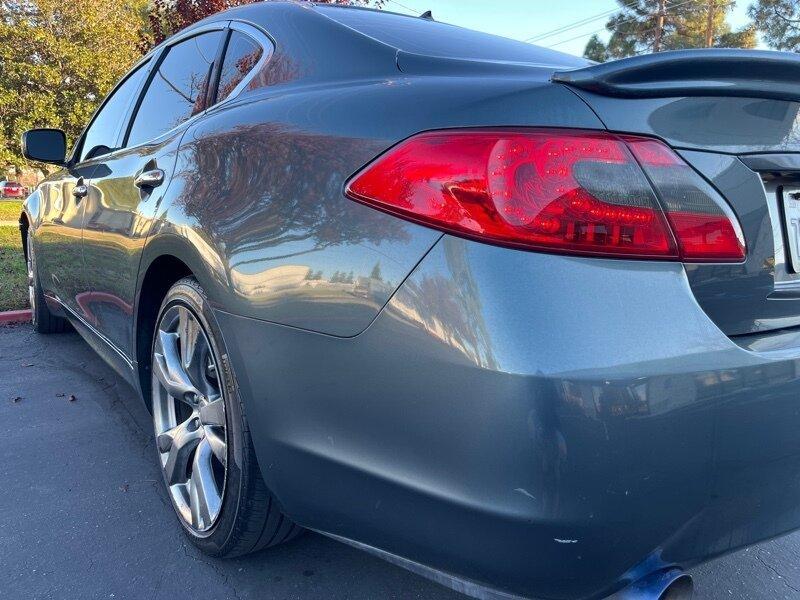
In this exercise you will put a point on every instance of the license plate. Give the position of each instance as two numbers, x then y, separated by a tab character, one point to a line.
791	213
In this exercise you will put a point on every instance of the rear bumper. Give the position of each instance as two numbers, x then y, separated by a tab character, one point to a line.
551	427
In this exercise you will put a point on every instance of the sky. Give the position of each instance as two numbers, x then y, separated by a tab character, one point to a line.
524	19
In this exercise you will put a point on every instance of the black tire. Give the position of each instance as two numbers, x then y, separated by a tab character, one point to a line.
250	518
42	319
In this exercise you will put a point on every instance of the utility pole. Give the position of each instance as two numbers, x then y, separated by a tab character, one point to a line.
662	9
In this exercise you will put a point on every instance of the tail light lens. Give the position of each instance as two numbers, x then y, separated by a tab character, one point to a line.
568	191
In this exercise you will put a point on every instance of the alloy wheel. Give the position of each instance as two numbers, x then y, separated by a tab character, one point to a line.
189	418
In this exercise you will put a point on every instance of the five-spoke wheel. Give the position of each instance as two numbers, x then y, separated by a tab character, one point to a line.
202	435
189	417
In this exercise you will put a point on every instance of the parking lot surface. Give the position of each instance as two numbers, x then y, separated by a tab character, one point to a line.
83	513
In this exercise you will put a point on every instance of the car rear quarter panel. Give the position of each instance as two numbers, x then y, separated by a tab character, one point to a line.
259	189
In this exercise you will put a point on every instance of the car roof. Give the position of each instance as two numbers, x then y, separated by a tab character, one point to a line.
427	37
406	33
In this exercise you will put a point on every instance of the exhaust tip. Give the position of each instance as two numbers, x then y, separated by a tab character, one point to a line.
682	588
670	584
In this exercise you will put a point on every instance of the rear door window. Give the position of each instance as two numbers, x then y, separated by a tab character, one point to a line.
178	87
241	55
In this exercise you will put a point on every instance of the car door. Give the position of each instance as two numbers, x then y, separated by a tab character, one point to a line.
57	239
130	181
66	195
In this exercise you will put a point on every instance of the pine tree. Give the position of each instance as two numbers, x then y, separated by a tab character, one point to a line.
645	26
779	23
596	49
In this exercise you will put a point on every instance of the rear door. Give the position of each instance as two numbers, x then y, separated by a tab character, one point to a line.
130	181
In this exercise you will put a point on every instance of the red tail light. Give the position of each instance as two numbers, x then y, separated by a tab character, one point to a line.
575	192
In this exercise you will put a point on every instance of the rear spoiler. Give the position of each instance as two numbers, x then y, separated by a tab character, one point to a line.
707	72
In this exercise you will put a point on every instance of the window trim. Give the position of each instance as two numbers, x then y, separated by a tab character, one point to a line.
78	148
161	55
268	48
155	57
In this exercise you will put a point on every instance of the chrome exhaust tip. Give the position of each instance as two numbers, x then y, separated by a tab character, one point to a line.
670	584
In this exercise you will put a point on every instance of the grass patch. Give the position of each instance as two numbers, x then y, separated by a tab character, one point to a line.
13	279
10	210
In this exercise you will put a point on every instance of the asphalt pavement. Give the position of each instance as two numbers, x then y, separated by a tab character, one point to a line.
83	513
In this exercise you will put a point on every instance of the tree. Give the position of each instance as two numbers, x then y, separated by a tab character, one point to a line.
596	50
167	17
643	26
779	23
376	272
706	26
58	59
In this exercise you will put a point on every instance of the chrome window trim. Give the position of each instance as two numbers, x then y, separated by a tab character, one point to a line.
156	55
77	149
268	48
161	54
260	36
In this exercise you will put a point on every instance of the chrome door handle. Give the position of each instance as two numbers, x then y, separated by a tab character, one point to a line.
149	179
80	191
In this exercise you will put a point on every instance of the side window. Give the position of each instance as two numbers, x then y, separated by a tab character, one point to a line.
241	56
101	136
178	87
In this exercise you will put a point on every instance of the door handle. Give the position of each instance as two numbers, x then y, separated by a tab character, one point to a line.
149	179
80	190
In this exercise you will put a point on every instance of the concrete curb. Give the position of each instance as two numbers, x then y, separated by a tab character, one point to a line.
15	316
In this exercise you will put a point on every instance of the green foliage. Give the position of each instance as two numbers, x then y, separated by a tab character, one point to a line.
13	277
10	210
596	50
779	23
59	60
643	26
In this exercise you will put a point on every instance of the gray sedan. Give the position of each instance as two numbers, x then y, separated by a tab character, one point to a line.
523	324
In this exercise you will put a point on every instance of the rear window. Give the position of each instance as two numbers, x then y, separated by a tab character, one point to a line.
422	36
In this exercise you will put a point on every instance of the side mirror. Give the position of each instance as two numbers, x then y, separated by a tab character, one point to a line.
45	145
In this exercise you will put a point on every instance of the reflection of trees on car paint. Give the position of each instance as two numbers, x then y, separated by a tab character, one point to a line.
446	303
241	55
301	201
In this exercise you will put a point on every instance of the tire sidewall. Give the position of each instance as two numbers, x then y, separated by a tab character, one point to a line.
188	293
33	276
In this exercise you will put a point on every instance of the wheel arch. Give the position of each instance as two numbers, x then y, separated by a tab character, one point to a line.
24	227
167	258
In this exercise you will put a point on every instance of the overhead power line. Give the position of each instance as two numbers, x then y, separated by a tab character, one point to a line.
627	20
574	24
403	6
